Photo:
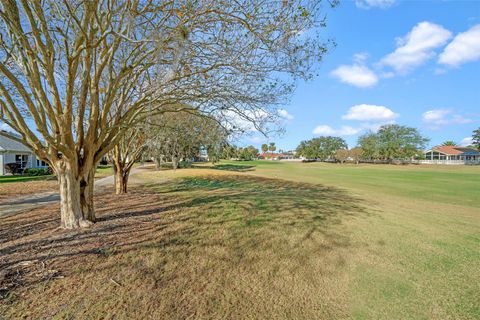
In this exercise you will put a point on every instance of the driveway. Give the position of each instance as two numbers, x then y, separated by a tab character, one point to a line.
29	202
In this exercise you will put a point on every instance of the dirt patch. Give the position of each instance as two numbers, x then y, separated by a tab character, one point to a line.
10	191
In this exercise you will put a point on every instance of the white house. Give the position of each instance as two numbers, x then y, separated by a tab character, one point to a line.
12	150
451	155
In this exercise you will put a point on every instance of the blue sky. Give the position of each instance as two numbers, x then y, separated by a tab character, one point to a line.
414	63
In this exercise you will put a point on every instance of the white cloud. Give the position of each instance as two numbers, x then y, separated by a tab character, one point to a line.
356	75
284	114
434	115
466	141
367	4
325	130
360	57
416	47
440	117
369	112
372	117
465	47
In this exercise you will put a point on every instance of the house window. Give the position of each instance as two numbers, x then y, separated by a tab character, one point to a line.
22	160
41	163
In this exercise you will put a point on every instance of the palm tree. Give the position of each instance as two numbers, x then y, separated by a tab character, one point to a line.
449	143
264	147
272	147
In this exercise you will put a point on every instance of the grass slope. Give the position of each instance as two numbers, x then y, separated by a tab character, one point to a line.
257	240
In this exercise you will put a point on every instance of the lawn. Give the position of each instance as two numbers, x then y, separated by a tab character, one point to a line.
101	172
13	179
257	240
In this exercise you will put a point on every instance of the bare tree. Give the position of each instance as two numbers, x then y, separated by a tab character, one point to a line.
342	155
124	155
74	73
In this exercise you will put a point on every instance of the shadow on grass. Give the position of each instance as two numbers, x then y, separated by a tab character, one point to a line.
249	217
230	167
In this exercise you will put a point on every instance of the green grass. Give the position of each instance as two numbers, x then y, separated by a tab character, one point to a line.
444	184
270	240
9	179
423	254
103	171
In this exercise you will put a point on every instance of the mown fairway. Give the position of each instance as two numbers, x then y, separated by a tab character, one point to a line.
263	240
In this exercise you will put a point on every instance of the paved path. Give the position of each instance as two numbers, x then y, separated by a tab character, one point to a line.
29	202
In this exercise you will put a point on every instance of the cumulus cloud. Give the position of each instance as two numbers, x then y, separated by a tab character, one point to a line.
371	117
367	4
466	141
325	130
370	112
434	115
440	117
284	114
356	75
416	47
465	47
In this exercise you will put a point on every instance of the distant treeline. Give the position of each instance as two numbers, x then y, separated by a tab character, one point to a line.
390	142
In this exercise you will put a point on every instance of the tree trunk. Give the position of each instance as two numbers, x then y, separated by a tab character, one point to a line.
175	162
71	214
158	163
86	195
121	180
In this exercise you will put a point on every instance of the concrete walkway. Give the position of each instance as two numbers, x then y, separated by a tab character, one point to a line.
32	201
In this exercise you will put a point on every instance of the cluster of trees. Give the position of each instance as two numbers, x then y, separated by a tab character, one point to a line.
389	142
392	141
354	154
167	137
321	148
233	152
77	76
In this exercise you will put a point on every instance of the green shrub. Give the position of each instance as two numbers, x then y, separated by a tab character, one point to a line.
185	164
37	171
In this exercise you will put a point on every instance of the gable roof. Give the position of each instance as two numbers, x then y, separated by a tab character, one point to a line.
8	142
455	150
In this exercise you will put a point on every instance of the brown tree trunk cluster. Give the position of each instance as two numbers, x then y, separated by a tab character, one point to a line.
121	178
76	195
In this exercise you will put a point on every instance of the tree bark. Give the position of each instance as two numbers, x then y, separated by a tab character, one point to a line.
175	163
86	195
121	180
71	214
158	163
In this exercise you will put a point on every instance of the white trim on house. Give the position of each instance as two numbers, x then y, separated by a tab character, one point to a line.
465	156
13	150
